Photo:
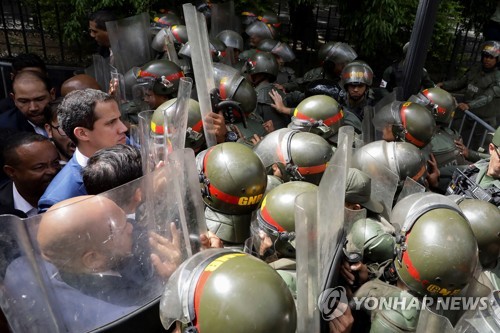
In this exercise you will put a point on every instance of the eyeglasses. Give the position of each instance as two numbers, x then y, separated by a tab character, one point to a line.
58	129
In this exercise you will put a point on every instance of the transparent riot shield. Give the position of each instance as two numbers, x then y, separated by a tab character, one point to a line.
177	122
202	66
162	42
307	255
118	82
223	17
152	147
409	187
484	319
130	41
331	200
100	70
101	262
429	321
384	180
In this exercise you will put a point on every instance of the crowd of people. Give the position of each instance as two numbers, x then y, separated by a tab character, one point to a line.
414	209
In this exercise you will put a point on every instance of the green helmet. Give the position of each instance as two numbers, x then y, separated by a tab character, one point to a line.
319	114
298	155
167	19
233	178
276	219
484	219
176	33
369	235
231	38
410	122
440	102
269	17
216	47
402	158
233	86
356	73
164	76
261	30
336	52
194	134
436	251
220	290
492	48
245	55
282	50
262	62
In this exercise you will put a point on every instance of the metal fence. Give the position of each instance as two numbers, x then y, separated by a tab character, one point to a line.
23	29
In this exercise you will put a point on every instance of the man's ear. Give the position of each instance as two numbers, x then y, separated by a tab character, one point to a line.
52	93
81	133
93	261
12	96
48	129
9	170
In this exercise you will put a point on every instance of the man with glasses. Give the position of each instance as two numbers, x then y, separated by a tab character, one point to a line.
63	143
31	93
486	172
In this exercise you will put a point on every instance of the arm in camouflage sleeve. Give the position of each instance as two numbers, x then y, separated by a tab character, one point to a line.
487	96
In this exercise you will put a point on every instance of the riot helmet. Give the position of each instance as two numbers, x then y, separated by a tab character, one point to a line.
280	49
216	47
407	121
402	158
318	114
436	252
167	20
269	17
207	292
298	155
231	38
356	73
233	86
259	30
484	218
440	102
248	17
273	227
369	235
161	76
194	134
232	177
491	48
338	53
262	63
176	33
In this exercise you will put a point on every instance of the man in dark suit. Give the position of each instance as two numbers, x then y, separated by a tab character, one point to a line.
91	119
31	93
31	162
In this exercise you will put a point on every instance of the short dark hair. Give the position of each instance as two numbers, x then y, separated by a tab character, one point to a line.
32	75
50	112
16	140
78	110
24	60
102	16
112	167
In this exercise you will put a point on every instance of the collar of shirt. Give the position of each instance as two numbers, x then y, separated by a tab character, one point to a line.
21	204
39	130
80	158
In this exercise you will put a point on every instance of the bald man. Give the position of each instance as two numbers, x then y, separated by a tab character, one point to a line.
79	82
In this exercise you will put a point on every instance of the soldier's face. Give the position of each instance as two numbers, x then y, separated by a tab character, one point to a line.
494	165
153	100
100	36
489	61
356	91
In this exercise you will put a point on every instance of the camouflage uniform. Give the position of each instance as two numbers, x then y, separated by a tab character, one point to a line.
393	77
477	173
264	108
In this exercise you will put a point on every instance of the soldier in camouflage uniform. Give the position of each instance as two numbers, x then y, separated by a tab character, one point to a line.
393	75
286	79
262	70
333	57
486	172
356	80
482	90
